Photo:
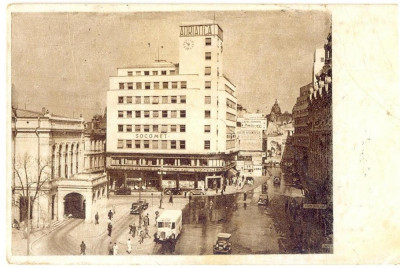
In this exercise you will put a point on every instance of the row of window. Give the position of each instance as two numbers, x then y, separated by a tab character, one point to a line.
152	144
162	72
230	117
155	114
157	128
164	114
152	100
152	128
157	144
230	104
153	85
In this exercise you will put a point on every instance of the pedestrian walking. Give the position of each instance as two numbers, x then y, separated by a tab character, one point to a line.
170	198
129	246
147	232
133	230
115	249
96	217
110	249
147	219
141	237
83	248
109	228
110	215
157	213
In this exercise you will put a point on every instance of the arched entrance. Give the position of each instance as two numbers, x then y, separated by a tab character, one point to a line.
75	205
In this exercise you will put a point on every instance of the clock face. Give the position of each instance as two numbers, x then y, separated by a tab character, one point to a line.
188	44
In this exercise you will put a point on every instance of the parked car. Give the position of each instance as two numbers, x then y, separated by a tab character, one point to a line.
263	200
139	206
250	180
174	191
223	244
198	191
277	180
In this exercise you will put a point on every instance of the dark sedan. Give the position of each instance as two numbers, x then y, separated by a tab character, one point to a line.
173	191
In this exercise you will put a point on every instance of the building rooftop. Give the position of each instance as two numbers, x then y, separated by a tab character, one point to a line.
156	64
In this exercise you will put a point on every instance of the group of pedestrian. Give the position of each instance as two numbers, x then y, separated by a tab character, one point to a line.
112	249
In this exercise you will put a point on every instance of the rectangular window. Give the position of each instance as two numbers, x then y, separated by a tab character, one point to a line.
208	41
121	86
174	99
206	145
146	73
120	128
172	72
156	85
165	84
130	73
138	73
173	128
207	100
182	128
146	144
207	114
183	99
164	129
164	144
174	84
182	144
137	128
137	144
208	55
120	144
138	85
173	144
173	114
155	100
154	144
165	114
155	128
146	99
147	85
207	71
155	114
207	128
183	84
155	72
183	114
163	72
147	114
129	114
120	114
207	85
128	99
128	128
137	114
120	99
130	85
165	99
146	128
128	143
138	99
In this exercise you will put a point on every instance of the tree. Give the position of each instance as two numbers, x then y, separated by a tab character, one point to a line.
31	175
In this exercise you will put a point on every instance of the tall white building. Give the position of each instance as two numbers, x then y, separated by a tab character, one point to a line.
319	61
173	125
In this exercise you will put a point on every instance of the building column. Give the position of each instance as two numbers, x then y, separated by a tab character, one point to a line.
56	163
62	161
60	206
88	208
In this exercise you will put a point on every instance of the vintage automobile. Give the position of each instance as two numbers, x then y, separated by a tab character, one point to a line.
139	206
223	244
277	180
173	191
196	192
263	200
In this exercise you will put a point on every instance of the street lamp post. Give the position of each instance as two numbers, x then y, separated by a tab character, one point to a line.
140	206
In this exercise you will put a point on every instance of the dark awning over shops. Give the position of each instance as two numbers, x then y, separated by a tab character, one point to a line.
232	172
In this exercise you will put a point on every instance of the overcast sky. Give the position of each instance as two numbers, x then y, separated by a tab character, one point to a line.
62	61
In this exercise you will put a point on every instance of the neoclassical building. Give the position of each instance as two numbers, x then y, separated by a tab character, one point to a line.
48	153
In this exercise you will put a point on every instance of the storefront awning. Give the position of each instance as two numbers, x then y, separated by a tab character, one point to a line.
232	172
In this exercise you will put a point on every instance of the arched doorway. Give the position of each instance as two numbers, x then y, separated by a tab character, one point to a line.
75	205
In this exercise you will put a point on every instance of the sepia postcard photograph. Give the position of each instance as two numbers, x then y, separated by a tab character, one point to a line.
175	133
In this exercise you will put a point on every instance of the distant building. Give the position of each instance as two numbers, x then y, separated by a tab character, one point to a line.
250	143
277	117
319	62
48	154
300	137
95	142
174	125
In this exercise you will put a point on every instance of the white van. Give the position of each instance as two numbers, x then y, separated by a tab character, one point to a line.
169	225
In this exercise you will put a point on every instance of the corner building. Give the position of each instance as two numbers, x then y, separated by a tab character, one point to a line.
173	125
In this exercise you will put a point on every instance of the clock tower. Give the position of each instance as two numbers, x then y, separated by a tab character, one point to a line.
201	50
